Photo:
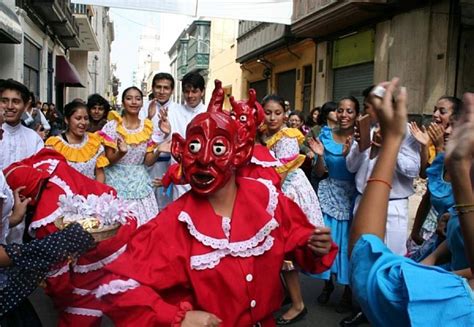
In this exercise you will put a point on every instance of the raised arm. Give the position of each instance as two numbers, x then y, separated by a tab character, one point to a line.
371	216
459	162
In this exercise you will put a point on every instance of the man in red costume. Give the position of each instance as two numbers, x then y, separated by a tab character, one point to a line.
213	257
45	177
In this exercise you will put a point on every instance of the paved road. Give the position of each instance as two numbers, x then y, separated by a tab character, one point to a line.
318	315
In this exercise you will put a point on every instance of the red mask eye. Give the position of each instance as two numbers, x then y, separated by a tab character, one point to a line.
219	149
194	146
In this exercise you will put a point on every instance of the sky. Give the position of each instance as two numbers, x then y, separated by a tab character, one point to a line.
128	26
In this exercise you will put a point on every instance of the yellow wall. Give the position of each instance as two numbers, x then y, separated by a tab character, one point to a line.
222	64
283	61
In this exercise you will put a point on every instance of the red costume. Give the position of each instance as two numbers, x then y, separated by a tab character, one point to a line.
250	115
47	176
190	258
229	267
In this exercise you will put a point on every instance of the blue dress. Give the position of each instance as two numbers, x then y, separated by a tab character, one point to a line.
441	197
456	242
396	291
336	197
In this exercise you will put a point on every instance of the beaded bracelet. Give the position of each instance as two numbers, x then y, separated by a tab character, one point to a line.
464	205
381	181
464	210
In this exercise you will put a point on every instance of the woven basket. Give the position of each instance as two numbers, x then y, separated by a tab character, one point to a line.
99	234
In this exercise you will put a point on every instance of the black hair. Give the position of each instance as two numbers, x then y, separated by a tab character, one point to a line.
275	98
309	120
194	80
324	112
72	107
124	93
297	113
165	76
366	91
98	100
11	84
32	98
456	102
353	100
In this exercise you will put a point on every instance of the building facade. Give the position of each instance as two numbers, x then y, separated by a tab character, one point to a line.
222	62
274	61
53	37
425	43
190	53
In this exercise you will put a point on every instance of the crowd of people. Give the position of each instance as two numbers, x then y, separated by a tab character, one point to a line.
212	202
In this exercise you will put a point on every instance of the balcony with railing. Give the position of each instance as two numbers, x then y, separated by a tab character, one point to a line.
58	15
87	35
320	18
198	45
256	38
182	56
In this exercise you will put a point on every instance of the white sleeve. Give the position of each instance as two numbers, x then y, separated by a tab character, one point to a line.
144	110
408	160
44	121
355	158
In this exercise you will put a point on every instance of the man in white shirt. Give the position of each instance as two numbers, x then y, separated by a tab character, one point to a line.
19	142
162	87
33	116
407	169
193	91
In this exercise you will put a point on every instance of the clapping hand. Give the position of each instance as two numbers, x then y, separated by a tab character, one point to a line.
436	134
164	123
316	146
421	135
121	145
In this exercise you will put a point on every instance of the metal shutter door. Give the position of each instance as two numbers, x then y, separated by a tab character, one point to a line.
352	81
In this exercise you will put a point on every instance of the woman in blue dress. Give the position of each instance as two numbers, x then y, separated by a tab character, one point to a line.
393	290
441	198
336	194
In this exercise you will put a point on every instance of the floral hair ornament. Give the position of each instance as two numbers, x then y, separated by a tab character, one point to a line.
99	215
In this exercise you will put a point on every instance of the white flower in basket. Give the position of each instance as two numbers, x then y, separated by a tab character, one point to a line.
100	215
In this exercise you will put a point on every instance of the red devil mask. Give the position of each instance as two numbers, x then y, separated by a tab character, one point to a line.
249	114
212	148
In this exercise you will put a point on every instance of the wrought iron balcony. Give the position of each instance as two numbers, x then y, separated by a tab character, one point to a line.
58	15
83	15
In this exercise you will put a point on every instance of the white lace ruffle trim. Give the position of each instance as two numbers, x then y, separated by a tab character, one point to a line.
115	286
212	259
266	164
245	248
84	312
58	272
56	213
80	291
53	163
99	264
272	196
223	243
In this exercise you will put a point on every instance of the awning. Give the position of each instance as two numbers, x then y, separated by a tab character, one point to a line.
66	73
10	28
271	11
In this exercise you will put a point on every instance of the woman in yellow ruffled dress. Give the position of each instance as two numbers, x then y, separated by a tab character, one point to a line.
285	143
83	151
130	145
